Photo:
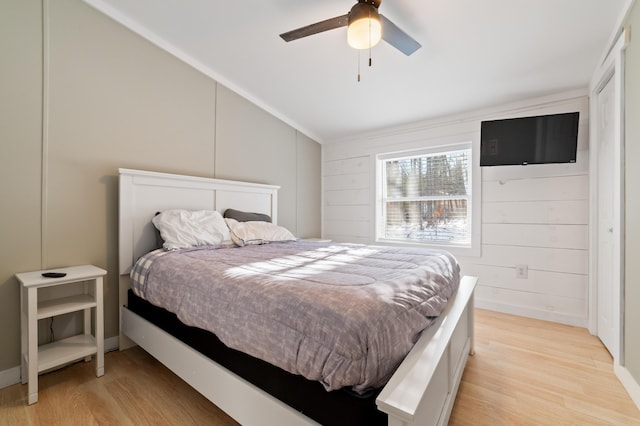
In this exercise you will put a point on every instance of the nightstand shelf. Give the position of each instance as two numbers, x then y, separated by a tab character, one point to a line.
65	350
65	305
85	280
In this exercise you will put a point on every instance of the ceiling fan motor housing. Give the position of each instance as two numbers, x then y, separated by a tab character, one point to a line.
375	3
365	28
364	9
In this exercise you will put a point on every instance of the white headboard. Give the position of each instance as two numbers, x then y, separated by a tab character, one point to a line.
143	193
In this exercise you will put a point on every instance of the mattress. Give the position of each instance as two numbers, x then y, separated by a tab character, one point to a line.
344	315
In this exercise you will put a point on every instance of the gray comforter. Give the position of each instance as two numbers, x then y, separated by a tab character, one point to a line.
345	315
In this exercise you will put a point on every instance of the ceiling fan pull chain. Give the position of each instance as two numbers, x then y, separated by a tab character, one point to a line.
358	66
369	38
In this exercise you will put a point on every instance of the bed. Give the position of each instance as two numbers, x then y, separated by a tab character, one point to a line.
421	391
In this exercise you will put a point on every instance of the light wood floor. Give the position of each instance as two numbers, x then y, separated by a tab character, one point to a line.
524	372
531	372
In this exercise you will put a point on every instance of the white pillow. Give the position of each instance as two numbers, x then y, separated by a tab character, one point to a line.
183	228
243	233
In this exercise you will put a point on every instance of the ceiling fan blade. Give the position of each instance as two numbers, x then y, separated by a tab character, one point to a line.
398	38
318	27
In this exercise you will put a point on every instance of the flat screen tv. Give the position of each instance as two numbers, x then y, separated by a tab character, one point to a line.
529	140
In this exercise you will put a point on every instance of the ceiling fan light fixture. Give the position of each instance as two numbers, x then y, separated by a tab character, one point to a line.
365	29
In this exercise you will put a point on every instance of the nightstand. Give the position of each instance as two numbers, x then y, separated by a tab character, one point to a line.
36	359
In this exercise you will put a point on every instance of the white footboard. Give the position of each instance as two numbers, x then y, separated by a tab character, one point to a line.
421	392
423	389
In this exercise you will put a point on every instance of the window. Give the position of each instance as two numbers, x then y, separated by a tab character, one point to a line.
425	197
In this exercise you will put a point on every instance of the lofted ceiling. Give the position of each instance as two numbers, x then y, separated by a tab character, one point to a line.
474	54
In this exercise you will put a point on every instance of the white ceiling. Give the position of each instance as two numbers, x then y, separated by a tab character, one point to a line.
475	53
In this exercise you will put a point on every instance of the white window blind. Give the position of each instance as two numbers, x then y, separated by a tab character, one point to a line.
427	198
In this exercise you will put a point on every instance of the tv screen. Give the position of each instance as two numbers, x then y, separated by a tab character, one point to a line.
529	140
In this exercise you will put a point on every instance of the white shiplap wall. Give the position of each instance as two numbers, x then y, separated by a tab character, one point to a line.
536	216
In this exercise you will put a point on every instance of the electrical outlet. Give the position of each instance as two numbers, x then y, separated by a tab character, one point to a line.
522	271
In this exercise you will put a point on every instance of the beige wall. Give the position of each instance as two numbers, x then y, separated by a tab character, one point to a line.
20	159
266	150
632	198
115	100
261	148
308	208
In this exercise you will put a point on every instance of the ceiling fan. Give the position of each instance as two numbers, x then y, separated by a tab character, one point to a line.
365	28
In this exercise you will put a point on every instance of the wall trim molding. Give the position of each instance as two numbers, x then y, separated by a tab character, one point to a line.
629	382
531	313
9	377
45	133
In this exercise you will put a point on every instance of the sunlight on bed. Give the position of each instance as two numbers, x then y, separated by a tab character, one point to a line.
307	264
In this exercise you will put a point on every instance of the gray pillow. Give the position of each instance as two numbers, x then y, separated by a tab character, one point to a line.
246	216
159	240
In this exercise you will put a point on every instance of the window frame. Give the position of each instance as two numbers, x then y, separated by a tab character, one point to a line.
470	249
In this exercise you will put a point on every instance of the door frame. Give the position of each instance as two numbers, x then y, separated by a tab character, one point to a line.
611	68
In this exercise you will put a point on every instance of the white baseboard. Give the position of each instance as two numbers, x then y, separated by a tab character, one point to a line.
111	344
12	375
629	382
531	313
9	377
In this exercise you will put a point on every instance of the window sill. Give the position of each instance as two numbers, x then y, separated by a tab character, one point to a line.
456	250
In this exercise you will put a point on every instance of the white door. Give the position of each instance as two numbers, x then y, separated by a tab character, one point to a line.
606	274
